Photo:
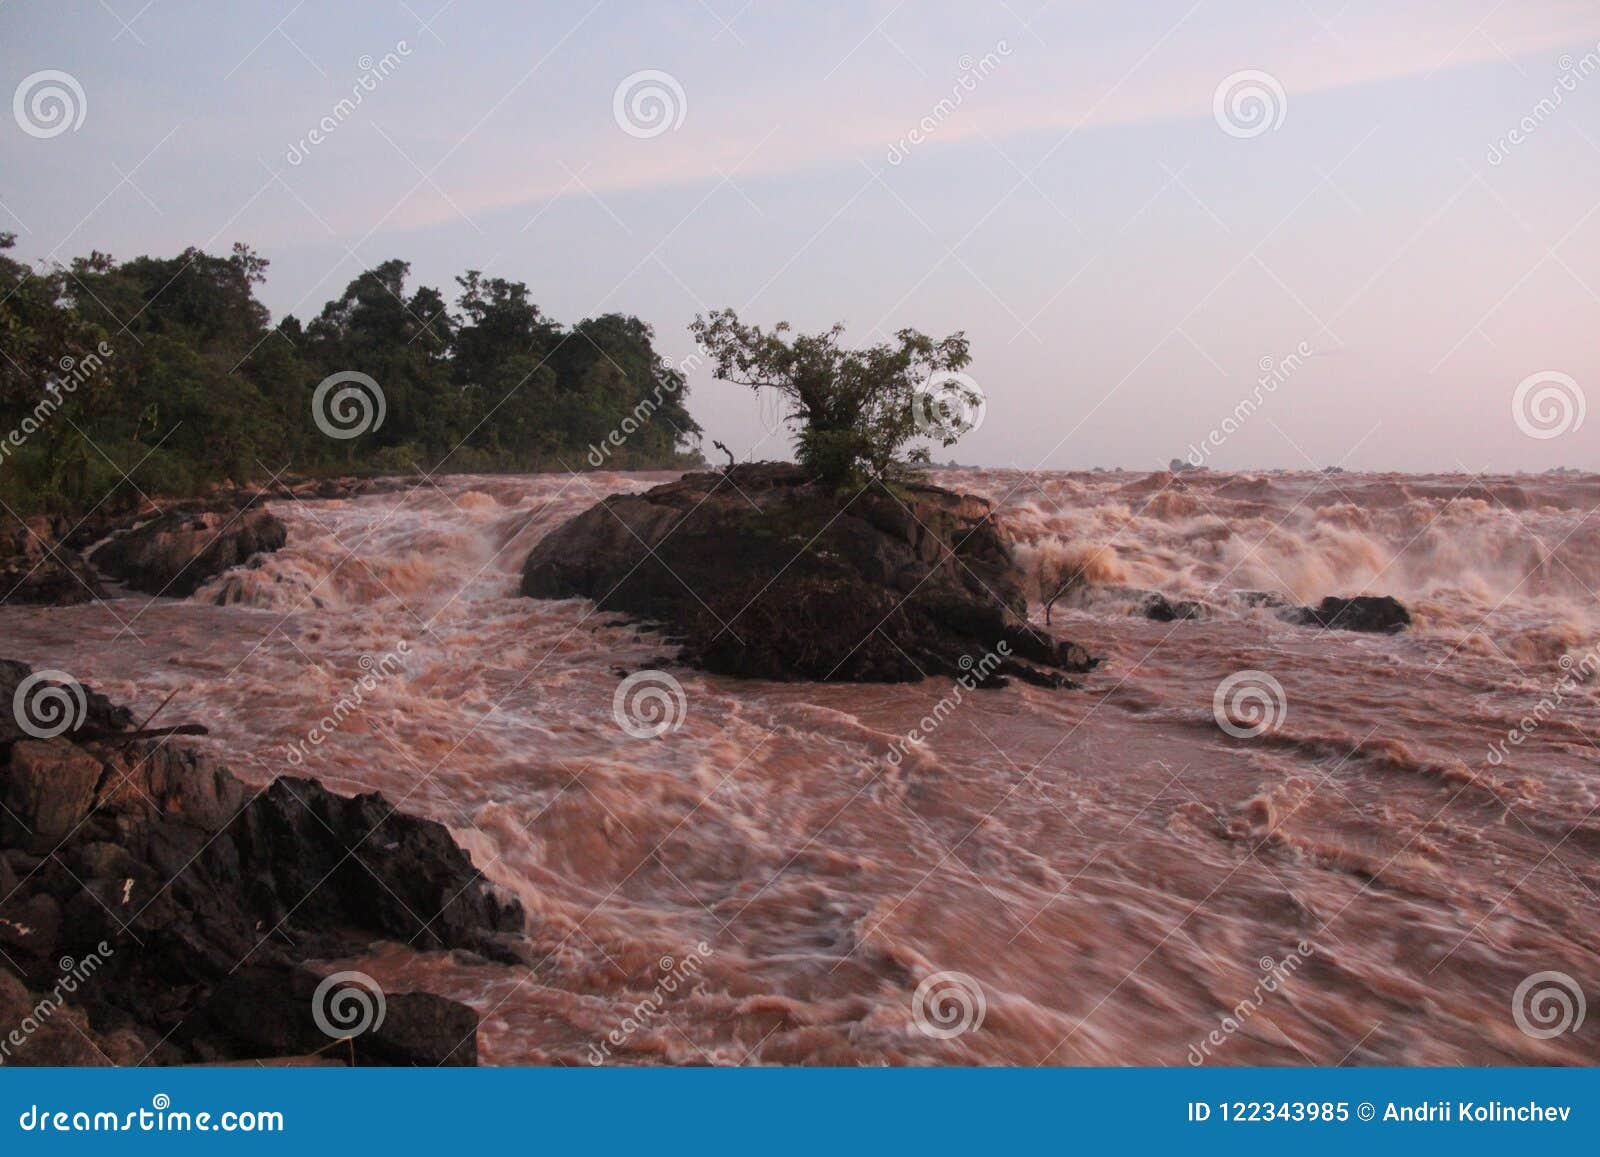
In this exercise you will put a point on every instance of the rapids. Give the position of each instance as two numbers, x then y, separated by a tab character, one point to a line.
1113	874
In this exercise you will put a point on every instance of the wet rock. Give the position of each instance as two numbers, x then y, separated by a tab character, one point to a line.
273	1011
39	1032
49	788
99	715
1165	610
153	861
1380	614
767	575
174	554
1256	599
30	930
1113	598
37	568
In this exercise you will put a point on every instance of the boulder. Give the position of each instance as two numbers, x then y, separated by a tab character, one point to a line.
1164	610
37	568
195	895
38	1032
1380	614
273	1012
762	573
174	554
99	715
49	788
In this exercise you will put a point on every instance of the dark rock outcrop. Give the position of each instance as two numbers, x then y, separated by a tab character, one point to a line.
176	553
201	901
169	552
269	1013
764	574
1164	610
1376	614
36	568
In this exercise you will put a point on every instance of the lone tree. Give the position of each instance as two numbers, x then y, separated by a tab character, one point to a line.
855	409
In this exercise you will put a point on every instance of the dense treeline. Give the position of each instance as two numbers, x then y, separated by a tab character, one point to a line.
169	370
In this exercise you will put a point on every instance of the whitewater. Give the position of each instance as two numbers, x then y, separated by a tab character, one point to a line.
1105	875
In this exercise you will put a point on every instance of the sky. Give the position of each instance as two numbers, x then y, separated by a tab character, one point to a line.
1398	219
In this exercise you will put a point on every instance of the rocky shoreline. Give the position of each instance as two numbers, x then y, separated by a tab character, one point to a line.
156	910
171	550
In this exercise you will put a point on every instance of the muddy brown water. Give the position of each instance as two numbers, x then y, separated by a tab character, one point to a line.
1109	875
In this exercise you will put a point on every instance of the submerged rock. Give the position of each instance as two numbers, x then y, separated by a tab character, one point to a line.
1377	614
200	901
1115	598
176	553
768	575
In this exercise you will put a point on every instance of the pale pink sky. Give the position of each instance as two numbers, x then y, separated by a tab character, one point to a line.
1122	262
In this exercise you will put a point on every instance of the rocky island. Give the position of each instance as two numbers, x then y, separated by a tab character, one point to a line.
764	573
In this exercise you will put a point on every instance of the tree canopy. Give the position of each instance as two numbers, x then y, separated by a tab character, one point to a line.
855	410
166	375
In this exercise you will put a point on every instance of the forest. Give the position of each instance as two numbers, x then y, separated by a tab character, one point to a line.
167	376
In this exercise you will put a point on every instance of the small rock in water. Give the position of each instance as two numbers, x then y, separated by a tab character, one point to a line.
1375	614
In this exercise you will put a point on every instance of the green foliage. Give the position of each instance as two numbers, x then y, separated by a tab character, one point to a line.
170	370
855	410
